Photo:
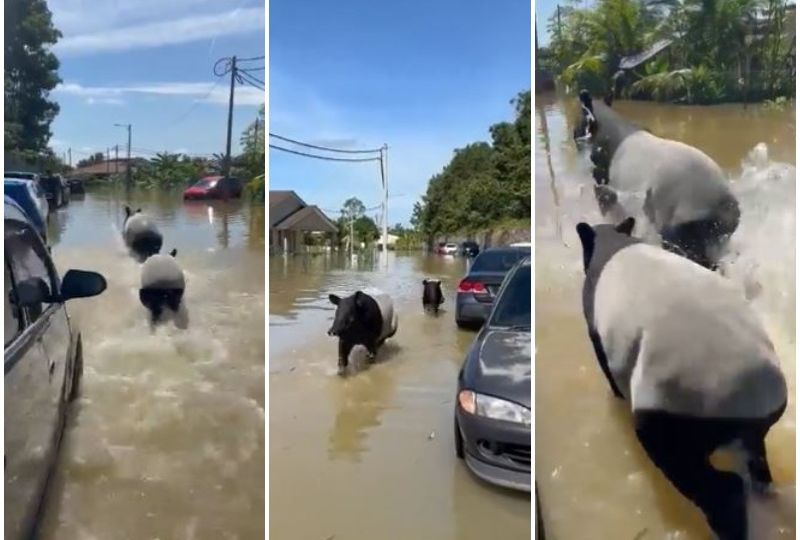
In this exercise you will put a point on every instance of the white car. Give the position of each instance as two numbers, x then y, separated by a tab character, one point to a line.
450	249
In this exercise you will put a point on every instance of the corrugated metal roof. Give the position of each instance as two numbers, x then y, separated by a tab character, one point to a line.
632	61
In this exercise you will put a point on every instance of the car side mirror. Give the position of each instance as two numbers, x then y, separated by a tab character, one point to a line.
81	284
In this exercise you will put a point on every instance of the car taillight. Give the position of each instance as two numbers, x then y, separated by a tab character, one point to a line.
466	286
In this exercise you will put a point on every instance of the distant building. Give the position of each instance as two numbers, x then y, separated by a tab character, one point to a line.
291	219
104	169
391	241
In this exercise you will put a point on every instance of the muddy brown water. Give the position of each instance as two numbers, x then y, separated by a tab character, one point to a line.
167	437
594	480
371	455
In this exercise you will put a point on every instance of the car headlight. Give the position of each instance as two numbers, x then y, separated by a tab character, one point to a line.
494	408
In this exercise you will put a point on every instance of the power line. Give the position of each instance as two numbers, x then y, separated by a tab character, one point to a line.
252	78
242	79
262	57
326	148
259	68
327	158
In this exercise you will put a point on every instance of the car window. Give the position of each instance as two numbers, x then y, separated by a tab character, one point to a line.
497	261
12	318
514	305
29	263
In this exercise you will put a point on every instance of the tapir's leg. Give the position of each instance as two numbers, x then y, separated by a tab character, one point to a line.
372	349
757	464
345	346
681	450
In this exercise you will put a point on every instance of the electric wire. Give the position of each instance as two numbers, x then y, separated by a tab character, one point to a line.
326	148
327	158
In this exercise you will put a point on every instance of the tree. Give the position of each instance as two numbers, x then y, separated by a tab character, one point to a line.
31	72
97	157
353	207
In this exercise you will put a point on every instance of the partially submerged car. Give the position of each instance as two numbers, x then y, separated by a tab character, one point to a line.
493	400
477	290
31	200
214	187
43	365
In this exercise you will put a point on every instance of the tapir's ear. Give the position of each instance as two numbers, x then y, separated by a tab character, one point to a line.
586	234
626	227
138	210
424	281
127	211
334	299
173	252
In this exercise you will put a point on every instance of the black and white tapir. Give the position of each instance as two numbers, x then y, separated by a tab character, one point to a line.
362	319
687	199
681	344
162	288
432	296
141	234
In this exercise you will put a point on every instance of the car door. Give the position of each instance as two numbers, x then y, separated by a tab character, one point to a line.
33	382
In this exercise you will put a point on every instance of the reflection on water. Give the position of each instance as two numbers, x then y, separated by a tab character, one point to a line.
593	477
371	455
167	438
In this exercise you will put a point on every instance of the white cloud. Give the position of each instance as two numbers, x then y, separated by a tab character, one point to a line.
162	32
203	92
104	101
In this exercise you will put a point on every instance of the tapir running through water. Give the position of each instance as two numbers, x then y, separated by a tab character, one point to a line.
686	198
141	234
362	319
432	296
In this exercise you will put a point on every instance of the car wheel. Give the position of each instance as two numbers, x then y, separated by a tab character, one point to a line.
77	372
458	439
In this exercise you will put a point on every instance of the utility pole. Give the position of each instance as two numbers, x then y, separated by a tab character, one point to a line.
227	165
385	178
128	178
128	168
108	160
351	235
255	138
116	159
69	153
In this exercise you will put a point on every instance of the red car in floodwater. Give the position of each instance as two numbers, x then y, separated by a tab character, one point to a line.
214	187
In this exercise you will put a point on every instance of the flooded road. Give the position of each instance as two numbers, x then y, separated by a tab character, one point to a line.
167	437
371	455
594	480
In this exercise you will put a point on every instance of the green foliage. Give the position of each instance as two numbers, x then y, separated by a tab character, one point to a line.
364	228
483	183
256	188
31	72
251	163
722	50
168	170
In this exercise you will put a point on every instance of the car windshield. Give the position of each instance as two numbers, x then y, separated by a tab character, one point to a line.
497	261
207	182
514	305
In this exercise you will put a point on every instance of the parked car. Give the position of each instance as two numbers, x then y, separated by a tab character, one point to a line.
43	365
53	190
66	191
76	186
213	187
493	400
29	197
22	175
449	249
477	290
470	248
439	249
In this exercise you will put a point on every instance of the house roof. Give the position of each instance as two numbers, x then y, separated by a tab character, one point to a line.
103	167
309	218
280	196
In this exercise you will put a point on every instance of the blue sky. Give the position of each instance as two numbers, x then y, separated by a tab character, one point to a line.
423	77
149	63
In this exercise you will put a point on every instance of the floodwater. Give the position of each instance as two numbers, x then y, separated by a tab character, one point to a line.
371	455
594	480
167	438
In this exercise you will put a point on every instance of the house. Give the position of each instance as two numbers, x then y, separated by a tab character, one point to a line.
291	219
104	169
391	241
